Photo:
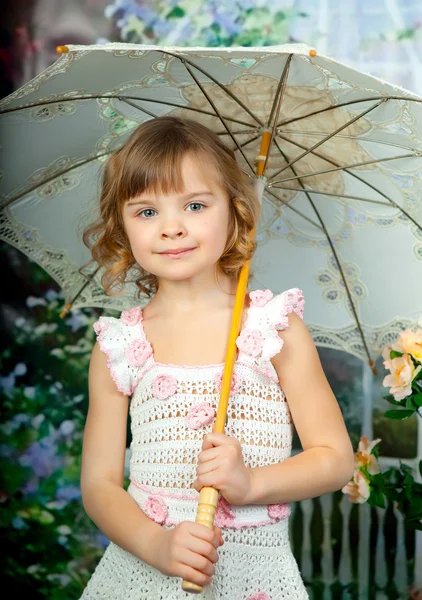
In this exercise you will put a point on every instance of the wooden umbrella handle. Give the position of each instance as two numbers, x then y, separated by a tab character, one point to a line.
208	497
207	505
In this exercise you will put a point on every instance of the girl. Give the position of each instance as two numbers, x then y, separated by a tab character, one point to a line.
176	206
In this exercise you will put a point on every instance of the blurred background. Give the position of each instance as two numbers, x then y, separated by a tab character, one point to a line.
50	544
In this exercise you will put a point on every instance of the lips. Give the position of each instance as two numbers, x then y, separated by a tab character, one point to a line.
177	252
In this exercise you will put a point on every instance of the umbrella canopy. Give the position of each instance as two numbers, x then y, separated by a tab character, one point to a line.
341	214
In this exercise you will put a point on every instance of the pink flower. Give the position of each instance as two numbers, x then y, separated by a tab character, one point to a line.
278	511
101	326
138	352
260	298
251	342
132	316
224	516
164	386
295	302
259	596
156	509
200	414
234	388
358	488
364	456
402	372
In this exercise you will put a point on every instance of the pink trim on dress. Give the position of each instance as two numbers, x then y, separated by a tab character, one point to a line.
260	297
132	316
156	509
224	516
259	596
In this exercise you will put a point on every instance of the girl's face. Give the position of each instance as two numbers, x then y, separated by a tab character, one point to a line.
180	235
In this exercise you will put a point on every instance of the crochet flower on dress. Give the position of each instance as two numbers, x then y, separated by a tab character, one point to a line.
101	326
260	298
200	414
251	342
259	596
164	386
235	385
224	516
138	352
278	511
132	316
156	509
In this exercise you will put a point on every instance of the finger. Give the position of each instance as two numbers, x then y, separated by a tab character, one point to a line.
207	467
208	480
209	454
193	576
217	530
203	532
203	548
198	562
218	439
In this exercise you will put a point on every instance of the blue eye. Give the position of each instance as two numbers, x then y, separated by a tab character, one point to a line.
146	210
197	204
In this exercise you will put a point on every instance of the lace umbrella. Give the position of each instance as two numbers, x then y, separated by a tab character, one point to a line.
336	154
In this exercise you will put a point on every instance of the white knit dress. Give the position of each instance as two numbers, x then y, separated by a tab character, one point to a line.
172	407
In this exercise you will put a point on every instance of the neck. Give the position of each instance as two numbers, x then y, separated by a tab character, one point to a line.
205	292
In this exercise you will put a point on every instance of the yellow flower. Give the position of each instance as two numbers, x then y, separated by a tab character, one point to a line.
402	372
364	458
358	488
410	342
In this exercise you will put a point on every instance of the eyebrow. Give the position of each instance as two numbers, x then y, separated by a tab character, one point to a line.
184	198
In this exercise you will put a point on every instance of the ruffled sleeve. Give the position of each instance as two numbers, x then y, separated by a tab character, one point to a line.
268	314
126	348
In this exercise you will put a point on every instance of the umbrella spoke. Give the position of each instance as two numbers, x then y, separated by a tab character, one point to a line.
345	137
345	196
343	168
328	137
346	170
30	189
349	103
207	96
295	210
337	259
186	61
275	109
123	99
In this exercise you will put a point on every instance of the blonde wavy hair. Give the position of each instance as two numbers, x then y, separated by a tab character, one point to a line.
151	160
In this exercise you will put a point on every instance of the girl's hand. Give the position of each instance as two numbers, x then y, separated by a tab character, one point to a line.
188	551
220	465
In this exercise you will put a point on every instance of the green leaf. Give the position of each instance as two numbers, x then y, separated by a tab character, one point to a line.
398	415
410	403
395	354
420	468
418	399
176	13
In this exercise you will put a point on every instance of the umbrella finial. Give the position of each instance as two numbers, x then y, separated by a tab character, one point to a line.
62	49
312	52
66	309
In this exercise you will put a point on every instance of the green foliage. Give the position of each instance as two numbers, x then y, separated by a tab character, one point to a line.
52	546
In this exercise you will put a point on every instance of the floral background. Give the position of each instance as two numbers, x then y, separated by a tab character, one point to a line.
51	545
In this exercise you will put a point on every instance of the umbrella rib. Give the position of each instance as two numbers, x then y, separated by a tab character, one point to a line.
85	161
346	137
123	99
328	137
217	112
295	210
336	258
347	197
346	170
186	61
275	109
349	103
361	164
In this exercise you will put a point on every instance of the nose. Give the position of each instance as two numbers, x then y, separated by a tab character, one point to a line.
173	229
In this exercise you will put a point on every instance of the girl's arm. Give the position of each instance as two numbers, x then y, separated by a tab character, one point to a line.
187	551
105	501
327	461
